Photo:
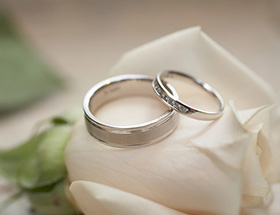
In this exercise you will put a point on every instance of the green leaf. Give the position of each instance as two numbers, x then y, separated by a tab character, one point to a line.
24	77
38	162
70	116
50	154
15	162
6	27
52	202
28	173
37	166
10	200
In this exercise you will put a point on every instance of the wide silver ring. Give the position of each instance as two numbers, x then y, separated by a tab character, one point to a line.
160	87
126	136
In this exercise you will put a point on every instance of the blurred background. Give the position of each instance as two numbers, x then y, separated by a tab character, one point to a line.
53	51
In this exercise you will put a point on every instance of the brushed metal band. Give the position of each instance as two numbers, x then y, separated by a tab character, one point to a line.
126	136
160	88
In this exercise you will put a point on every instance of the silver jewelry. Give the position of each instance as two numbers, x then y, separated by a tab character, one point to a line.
124	136
160	87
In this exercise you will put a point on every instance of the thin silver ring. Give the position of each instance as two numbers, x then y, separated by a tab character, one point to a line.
126	136
159	86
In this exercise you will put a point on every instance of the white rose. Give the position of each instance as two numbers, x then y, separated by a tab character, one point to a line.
224	167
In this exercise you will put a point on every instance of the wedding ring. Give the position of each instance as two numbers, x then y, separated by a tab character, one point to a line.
160	87
126	136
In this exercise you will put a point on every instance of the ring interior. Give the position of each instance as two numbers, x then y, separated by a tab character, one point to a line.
115	90
211	92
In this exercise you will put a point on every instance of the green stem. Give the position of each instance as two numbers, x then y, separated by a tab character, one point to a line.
6	203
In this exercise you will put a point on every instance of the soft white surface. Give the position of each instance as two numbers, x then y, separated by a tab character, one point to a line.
203	167
119	200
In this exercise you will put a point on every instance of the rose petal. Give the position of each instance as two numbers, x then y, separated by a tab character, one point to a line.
99	199
202	167
268	146
274	208
255	185
181	172
262	205
268	140
260	122
192	51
